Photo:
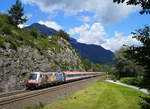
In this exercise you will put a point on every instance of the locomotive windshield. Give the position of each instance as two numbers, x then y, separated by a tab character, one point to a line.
32	76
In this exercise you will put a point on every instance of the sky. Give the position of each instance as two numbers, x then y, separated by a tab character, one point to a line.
99	22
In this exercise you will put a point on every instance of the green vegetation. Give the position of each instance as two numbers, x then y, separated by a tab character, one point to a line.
134	61
63	34
141	54
89	66
145	104
126	67
131	81
101	95
17	37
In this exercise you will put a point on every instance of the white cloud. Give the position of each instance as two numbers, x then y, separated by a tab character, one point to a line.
51	24
95	34
90	34
22	25
79	29
85	18
116	42
105	10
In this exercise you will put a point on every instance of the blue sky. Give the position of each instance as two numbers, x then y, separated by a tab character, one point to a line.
100	22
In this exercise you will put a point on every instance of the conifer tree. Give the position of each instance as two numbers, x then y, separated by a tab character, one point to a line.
16	14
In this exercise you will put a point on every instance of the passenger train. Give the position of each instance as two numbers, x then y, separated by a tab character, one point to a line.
42	79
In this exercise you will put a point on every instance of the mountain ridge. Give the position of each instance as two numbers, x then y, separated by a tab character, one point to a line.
94	53
42	29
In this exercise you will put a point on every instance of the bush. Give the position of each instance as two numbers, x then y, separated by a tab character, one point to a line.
6	29
2	43
131	81
145	104
4	19
34	33
112	77
64	35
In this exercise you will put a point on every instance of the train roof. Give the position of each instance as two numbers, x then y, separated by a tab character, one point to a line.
67	72
43	72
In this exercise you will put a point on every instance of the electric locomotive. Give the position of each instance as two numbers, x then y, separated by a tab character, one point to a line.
42	79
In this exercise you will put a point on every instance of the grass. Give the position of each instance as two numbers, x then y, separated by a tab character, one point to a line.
101	95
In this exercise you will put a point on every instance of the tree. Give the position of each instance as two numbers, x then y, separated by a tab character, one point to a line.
142	53
87	64
126	67
63	34
145	4
16	14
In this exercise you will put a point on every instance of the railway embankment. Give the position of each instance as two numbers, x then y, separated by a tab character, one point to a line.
44	96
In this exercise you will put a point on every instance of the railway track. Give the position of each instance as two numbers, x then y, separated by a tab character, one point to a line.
12	93
23	99
26	94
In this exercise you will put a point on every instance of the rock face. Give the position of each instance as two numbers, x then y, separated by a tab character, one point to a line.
16	64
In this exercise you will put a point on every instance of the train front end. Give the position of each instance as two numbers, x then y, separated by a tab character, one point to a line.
33	80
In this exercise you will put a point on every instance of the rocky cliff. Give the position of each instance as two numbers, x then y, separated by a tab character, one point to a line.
22	52
16	63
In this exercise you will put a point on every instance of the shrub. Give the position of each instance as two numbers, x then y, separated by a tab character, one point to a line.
13	43
1	24
64	35
131	81
2	43
34	32
6	29
4	19
145	104
112	77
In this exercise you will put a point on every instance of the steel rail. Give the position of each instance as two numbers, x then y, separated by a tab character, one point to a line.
12	93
